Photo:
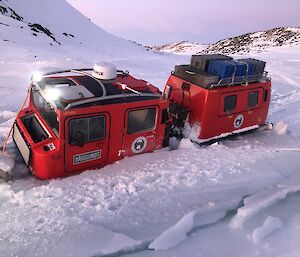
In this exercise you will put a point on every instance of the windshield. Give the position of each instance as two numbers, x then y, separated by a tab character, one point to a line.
46	111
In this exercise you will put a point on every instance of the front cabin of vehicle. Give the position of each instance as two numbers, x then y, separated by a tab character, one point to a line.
77	121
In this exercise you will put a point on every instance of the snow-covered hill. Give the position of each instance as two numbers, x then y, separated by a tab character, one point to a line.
257	42
183	47
251	42
56	25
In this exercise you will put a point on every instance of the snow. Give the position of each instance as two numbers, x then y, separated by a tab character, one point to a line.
181	48
192	132
6	162
174	143
174	235
280	128
191	195
270	225
186	143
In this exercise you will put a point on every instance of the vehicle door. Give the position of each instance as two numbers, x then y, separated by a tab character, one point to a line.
140	130
87	140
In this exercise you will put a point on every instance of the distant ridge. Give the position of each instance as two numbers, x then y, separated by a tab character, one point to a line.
251	42
257	41
183	47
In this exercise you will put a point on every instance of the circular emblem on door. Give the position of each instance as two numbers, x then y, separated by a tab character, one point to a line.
139	145
238	121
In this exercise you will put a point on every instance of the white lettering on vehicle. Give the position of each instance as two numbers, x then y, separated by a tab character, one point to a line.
86	157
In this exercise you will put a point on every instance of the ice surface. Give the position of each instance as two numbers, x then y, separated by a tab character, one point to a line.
174	235
270	225
119	242
280	128
263	199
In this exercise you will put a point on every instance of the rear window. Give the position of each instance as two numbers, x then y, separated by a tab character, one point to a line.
141	120
230	103
252	99
93	128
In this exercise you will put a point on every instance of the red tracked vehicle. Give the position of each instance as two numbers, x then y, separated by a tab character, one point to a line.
232	96
78	121
87	118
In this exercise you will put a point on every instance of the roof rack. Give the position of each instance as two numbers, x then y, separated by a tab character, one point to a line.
110	97
244	80
126	72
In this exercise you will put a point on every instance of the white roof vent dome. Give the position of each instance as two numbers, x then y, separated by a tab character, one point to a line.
104	71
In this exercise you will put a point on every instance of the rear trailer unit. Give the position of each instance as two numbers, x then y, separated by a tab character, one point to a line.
219	96
84	119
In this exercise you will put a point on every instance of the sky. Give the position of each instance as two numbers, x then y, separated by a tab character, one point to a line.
157	22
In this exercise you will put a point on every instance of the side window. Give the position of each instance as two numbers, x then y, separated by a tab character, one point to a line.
252	99
141	120
93	128
230	103
45	110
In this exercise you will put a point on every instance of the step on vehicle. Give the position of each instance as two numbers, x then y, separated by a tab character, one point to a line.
84	119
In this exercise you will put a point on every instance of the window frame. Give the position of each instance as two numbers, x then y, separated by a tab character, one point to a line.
225	110
257	99
54	129
142	130
88	136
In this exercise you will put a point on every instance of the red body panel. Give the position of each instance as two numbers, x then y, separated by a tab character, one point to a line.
43	165
207	106
137	84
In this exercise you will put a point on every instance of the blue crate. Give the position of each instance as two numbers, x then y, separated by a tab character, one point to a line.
229	68
256	66
221	68
240	69
244	69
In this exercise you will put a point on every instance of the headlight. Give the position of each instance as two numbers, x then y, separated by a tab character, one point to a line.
36	77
